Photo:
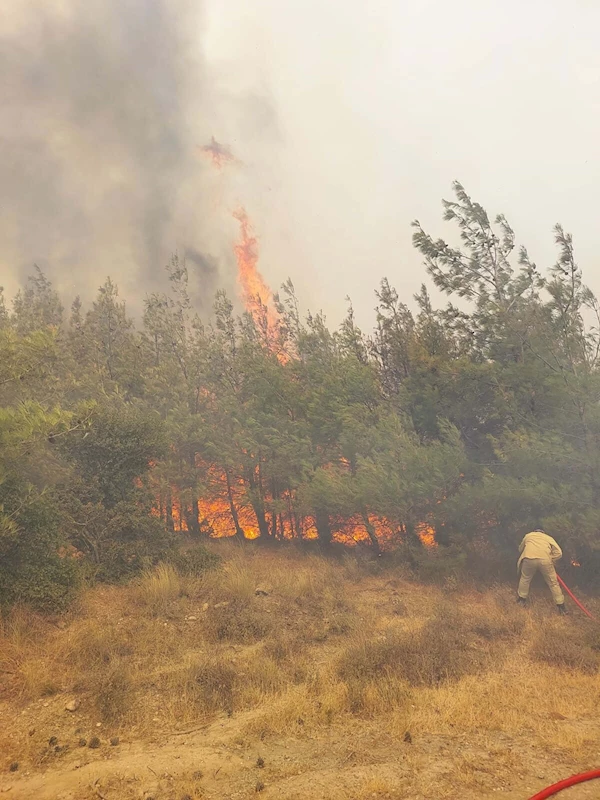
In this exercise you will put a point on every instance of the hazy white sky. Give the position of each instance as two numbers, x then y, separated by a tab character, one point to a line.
381	104
350	119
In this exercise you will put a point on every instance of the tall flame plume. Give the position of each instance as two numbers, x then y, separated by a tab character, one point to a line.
256	294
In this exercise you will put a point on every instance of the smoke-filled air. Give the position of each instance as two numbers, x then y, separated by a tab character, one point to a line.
108	115
299	400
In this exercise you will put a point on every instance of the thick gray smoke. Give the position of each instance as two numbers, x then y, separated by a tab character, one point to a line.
103	106
379	107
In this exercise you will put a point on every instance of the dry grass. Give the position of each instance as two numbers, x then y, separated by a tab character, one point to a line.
237	622
33	668
94	647
325	647
443	650
204	686
114	694
566	649
158	589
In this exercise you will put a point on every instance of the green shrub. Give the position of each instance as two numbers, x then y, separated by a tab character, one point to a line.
32	570
195	561
48	586
123	541
438	565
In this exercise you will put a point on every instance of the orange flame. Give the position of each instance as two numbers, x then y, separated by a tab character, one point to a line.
225	505
215	520
575	563
257	296
427	535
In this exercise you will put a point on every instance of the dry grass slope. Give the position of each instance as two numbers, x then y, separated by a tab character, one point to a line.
328	653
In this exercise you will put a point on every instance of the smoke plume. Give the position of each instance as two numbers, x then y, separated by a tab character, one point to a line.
104	106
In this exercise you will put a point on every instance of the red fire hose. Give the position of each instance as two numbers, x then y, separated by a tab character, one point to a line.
584	776
573	598
572	781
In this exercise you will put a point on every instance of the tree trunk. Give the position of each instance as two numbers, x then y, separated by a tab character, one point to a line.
411	535
323	526
274	496
370	528
194	518
169	511
291	515
190	514
234	514
261	517
258	504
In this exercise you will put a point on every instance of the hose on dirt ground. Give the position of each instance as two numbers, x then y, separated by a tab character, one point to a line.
572	781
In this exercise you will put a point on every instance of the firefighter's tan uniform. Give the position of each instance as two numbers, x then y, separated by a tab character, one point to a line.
538	553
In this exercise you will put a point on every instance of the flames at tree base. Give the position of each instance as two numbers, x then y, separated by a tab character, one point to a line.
214	519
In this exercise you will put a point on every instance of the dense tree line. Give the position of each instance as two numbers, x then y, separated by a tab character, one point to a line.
476	421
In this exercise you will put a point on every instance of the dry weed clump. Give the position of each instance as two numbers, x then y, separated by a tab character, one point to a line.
560	703
300	709
340	623
235	581
237	621
289	654
259	677
371	698
27	655
318	588
442	650
207	685
283	648
590	633
500	625
114	694
567	650
315	599
213	683
38	678
238	582
92	646
156	590
23	628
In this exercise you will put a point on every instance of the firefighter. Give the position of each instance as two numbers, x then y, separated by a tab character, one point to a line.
538	552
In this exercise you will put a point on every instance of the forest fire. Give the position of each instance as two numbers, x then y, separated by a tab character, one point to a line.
257	296
427	536
228	513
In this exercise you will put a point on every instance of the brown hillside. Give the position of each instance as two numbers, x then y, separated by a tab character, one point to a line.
329	682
